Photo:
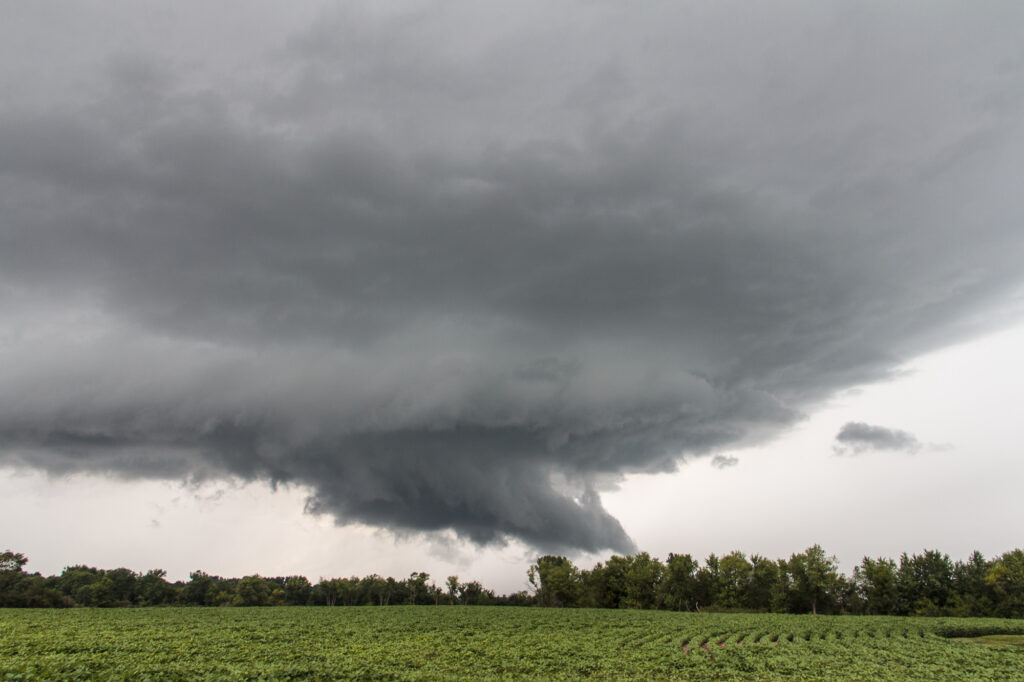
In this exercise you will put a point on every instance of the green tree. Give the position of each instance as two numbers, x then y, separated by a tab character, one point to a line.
815	580
763	588
1006	579
971	594
14	584
73	579
555	580
376	590
252	590
154	589
474	594
734	578
605	584
329	590
125	584
419	593
12	580
453	588
643	578
296	590
436	593
877	583
925	582
679	584
99	592
709	583
12	562
199	589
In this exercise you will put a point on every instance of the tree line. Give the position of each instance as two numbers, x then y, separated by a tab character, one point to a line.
926	584
87	586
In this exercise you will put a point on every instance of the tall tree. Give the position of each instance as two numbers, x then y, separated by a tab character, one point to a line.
12	579
1006	578
297	590
971	594
925	582
199	589
763	589
709	583
877	584
643	577
734	578
679	585
815	579
474	594
12	562
453	588
153	588
555	580
419	593
252	590
125	584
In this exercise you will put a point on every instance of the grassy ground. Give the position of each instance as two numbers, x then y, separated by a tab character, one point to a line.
495	643
995	640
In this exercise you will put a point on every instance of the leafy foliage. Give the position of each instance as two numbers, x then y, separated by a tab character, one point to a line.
415	642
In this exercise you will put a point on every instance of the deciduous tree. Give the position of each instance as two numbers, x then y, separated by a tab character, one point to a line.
815	578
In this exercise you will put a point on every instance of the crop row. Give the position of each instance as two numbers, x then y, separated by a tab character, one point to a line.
484	642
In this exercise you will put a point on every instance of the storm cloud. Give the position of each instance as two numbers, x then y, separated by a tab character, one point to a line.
463	267
857	437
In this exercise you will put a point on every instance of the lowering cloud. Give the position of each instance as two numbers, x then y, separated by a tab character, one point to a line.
462	268
857	437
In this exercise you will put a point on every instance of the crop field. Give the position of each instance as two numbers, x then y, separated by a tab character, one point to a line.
423	642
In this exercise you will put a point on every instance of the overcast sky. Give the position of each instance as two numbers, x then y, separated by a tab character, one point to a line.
467	281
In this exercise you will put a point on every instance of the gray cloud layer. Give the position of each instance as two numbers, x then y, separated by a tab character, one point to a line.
857	437
461	267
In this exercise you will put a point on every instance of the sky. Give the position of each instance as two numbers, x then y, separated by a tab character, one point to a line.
336	289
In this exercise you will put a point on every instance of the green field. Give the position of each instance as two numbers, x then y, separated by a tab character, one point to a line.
423	642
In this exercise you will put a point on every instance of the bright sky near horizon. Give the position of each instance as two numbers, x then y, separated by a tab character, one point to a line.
478	281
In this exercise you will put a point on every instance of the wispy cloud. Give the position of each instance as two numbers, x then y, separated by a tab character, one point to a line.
724	461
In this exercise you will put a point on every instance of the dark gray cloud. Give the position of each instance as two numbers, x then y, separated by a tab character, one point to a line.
857	437
462	268
724	461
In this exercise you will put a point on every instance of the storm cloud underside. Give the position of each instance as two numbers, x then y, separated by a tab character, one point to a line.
456	268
